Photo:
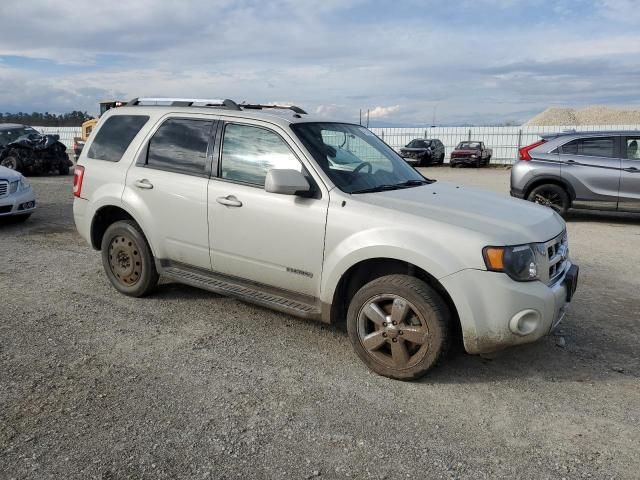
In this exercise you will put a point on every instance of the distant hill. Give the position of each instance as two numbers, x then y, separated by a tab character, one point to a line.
594	115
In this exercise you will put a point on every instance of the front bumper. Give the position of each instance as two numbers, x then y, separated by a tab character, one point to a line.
465	160
497	312
18	203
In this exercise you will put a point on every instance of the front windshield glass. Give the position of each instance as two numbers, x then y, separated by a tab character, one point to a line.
9	135
355	159
469	145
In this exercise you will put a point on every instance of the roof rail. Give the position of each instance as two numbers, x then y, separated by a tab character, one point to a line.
202	102
285	107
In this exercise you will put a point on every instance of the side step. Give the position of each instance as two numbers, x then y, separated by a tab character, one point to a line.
287	302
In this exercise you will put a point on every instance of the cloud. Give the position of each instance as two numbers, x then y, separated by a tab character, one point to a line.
477	64
381	112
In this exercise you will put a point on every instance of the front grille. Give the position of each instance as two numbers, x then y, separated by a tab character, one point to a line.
557	251
4	188
6	208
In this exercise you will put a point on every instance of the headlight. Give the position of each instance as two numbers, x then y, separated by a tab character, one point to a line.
519	262
13	187
474	155
24	184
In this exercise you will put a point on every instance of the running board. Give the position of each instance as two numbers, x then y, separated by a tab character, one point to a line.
282	300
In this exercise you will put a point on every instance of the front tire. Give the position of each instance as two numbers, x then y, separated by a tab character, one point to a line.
399	326
12	162
552	196
127	259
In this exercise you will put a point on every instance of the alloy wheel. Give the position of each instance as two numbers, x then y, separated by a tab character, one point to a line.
549	198
392	331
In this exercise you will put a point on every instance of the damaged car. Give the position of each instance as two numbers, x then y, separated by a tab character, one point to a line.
25	150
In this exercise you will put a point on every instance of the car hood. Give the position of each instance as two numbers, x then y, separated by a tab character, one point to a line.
8	174
465	151
497	219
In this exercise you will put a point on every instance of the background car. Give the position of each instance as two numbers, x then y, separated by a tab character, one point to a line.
421	152
593	170
471	152
24	149
17	199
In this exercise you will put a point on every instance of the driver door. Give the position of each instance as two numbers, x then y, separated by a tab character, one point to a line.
269	238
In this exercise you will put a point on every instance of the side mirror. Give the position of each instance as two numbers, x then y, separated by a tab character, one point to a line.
286	182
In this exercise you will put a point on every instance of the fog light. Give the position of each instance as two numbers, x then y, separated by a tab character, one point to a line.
525	322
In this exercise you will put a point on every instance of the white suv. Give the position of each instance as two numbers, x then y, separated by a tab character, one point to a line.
320	220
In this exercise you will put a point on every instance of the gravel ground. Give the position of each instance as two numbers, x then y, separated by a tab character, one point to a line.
186	384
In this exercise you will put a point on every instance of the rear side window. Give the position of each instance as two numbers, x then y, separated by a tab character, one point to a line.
248	153
114	137
180	145
591	147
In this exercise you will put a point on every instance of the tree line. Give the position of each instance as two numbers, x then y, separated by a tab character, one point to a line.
46	119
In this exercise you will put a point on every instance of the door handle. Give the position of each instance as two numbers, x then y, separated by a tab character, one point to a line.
573	162
632	170
229	201
144	184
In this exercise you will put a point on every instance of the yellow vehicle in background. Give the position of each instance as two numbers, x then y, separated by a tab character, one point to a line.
89	125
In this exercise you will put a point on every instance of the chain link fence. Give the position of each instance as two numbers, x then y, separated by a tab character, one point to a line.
505	141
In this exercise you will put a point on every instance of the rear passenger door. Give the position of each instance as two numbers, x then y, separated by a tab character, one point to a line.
167	187
591	165
629	200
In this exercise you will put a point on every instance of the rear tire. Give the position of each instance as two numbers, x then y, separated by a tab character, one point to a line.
552	196
399	326
127	259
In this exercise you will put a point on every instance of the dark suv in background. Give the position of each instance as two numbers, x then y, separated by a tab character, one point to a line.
594	170
422	152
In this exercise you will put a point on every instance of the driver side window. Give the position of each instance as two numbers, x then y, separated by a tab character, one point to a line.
249	152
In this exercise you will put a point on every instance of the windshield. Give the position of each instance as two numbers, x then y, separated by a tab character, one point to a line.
355	159
419	144
10	134
469	145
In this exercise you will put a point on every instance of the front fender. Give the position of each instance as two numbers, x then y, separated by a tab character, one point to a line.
396	244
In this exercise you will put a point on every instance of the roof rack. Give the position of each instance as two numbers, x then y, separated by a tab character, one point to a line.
203	102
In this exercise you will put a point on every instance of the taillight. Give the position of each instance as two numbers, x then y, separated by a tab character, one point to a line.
78	176
524	151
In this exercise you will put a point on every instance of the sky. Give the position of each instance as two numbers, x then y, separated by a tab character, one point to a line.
409	62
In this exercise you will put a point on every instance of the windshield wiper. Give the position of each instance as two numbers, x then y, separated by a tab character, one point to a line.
395	186
379	188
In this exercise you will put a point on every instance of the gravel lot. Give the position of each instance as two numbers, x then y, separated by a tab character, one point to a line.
187	384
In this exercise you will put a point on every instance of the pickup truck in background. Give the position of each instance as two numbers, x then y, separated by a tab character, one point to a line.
470	153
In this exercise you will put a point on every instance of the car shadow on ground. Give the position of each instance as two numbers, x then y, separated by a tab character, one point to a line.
601	216
579	360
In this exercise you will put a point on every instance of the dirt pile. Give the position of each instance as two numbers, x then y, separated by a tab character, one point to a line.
594	115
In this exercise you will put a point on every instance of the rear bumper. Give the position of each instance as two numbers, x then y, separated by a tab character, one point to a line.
496	312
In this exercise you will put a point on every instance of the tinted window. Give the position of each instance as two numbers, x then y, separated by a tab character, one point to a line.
590	147
248	153
180	145
114	137
571	148
596	147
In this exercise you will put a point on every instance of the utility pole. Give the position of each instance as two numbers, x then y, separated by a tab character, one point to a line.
360	121
367	118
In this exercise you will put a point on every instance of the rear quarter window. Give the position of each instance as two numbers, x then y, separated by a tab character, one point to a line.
114	137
